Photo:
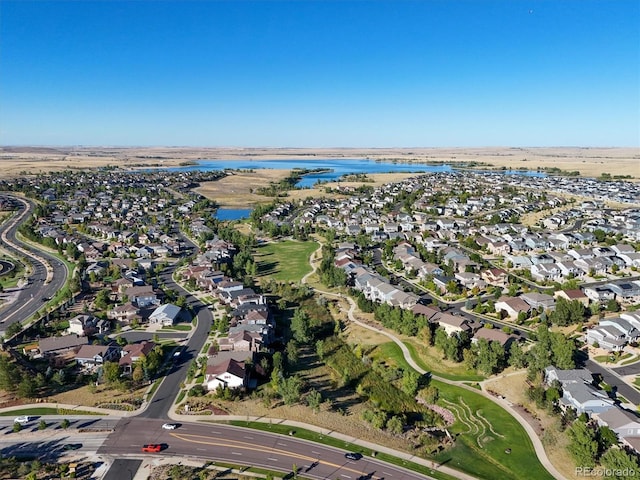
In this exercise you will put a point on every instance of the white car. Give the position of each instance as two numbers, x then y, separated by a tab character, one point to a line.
169	426
22	419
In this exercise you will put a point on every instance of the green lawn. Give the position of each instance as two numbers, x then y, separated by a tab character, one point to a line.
429	360
483	432
335	442
286	261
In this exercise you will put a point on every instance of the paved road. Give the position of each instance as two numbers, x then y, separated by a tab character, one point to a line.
633	369
247	447
611	378
30	298
169	388
123	469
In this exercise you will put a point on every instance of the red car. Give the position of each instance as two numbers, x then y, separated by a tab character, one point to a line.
152	447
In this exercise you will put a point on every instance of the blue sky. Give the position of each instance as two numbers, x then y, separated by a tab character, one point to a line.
320	73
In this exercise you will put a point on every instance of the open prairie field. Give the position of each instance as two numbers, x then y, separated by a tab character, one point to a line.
590	162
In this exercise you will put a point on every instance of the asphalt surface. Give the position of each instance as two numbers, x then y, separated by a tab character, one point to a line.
633	369
170	386
123	469
621	388
30	298
247	447
197	441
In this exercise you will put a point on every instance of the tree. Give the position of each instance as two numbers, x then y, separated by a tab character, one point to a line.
27	387
517	357
289	388
138	373
292	352
42	425
395	424
567	312
619	463
613	306
300	326
111	372
490	356
410	382
102	300
583	447
314	399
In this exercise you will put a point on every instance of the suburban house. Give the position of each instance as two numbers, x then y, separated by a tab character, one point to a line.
165	315
493	335
90	357
612	334
142	296
623	422
578	391
125	313
495	276
512	306
228	374
573	295
539	300
86	325
59	345
452	323
133	352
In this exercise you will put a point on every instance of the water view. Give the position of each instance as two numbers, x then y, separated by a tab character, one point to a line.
336	168
232	213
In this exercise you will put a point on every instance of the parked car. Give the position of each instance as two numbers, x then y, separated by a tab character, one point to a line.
170	426
22	419
152	447
353	456
72	446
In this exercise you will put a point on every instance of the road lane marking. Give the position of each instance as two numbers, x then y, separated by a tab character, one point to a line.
272	459
242	445
247	436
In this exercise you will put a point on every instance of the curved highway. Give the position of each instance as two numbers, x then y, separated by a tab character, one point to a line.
45	266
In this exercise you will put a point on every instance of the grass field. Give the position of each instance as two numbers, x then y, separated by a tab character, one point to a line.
430	359
483	432
286	261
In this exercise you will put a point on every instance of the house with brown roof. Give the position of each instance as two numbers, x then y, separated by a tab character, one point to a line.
572	295
512	306
495	276
493	335
58	345
132	353
90	357
452	323
228	374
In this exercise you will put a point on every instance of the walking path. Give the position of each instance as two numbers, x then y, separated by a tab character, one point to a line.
508	406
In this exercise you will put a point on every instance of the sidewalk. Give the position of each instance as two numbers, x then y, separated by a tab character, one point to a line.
329	433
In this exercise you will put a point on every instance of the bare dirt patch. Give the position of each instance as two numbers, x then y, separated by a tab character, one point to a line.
236	189
88	397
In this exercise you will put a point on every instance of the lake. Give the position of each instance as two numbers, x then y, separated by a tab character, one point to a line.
338	167
232	213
